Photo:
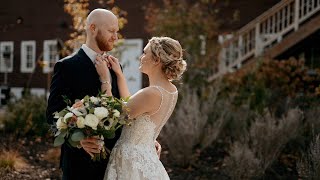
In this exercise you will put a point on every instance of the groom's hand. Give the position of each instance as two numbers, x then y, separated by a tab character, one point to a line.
91	145
158	148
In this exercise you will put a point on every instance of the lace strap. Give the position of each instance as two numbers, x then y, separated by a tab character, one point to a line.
165	118
160	102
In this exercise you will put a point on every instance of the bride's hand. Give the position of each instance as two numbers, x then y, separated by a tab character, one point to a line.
115	65
102	68
158	148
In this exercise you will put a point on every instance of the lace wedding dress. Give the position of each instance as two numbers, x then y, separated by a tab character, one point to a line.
134	157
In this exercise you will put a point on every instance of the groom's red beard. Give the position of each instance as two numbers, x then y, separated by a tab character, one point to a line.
102	44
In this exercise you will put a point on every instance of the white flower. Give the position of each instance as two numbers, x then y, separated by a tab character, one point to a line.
67	116
110	124
56	115
94	100
101	112
80	122
122	121
61	124
91	121
116	113
76	112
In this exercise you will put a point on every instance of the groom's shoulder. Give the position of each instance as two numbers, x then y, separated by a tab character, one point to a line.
68	59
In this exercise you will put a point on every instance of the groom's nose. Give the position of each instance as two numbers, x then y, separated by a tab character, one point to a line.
115	36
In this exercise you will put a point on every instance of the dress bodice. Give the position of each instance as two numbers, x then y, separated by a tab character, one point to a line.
134	157
141	131
146	128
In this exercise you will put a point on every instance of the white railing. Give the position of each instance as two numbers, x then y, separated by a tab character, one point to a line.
265	31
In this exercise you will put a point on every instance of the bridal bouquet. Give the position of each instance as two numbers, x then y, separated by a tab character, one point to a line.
97	116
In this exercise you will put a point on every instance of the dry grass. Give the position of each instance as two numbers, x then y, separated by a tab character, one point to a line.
191	125
262	144
242	162
309	166
53	155
12	160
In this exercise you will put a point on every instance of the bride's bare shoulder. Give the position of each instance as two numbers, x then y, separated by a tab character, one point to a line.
148	91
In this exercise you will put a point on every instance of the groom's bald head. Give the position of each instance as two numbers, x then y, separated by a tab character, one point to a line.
101	28
100	17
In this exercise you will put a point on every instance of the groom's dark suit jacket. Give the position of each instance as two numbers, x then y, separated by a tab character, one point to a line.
76	77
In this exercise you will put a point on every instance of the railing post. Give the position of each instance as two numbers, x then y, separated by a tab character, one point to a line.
258	42
296	14
240	46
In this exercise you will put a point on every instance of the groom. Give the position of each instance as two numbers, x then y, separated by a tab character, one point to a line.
75	77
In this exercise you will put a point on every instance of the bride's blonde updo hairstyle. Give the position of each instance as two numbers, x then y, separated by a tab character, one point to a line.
169	52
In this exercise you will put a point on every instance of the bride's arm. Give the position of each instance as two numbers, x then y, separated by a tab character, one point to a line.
104	75
121	80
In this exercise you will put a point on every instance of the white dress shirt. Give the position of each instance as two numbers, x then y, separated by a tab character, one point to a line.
91	54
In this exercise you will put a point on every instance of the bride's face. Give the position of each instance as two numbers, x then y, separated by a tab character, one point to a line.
146	60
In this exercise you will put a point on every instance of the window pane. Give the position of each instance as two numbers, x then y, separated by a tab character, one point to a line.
52	55
29	56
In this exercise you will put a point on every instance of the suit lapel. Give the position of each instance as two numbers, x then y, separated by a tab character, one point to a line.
85	60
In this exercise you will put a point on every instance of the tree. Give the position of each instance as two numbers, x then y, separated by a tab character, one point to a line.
196	25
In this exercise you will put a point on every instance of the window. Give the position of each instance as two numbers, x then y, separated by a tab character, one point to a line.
6	56
28	56
50	55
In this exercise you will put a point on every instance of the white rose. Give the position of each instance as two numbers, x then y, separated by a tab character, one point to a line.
67	116
91	121
80	122
116	113
61	124
110	124
101	112
94	100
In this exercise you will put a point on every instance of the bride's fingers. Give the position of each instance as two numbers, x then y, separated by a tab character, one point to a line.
113	59
114	62
99	58
77	104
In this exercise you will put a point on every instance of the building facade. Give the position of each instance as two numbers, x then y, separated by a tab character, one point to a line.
32	31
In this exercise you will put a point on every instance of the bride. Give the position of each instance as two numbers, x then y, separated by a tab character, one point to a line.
134	156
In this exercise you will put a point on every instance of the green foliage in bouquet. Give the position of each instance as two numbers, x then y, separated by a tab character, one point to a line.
27	116
93	116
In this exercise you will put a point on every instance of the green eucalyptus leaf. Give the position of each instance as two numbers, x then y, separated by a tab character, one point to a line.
73	143
58	141
77	136
110	134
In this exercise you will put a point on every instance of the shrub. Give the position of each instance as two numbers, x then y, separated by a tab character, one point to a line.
309	166
262	144
27	116
194	124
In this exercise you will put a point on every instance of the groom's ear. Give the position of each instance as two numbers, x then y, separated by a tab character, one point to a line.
93	27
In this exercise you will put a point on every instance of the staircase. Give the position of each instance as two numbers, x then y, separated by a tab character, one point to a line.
270	34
